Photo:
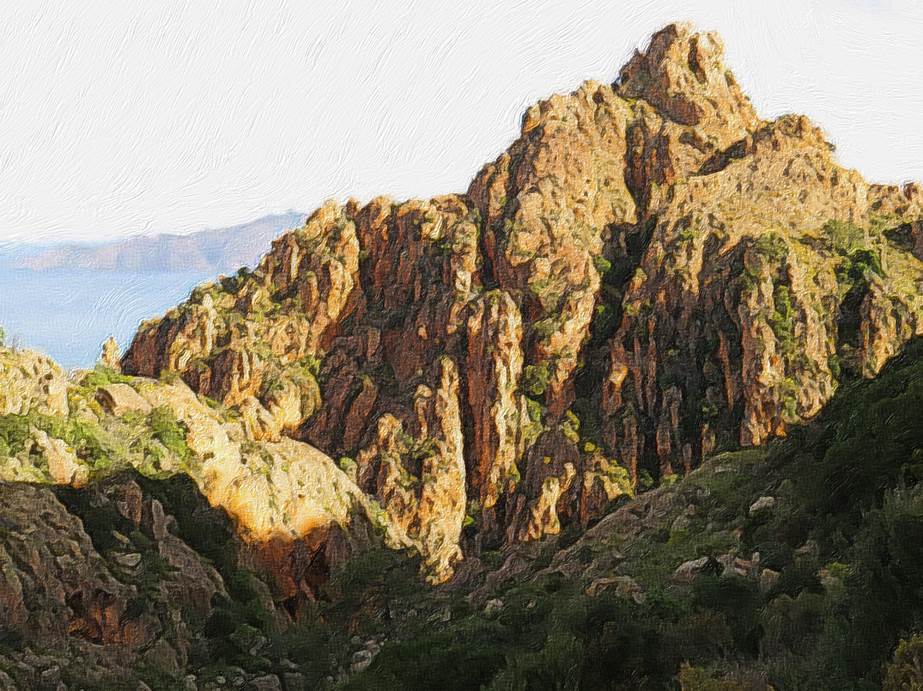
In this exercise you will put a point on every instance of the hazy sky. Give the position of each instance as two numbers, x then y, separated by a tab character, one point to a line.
127	117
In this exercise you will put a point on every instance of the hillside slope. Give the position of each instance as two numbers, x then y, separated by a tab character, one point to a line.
791	566
650	273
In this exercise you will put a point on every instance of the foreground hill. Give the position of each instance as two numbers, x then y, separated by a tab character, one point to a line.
122	559
650	273
99	471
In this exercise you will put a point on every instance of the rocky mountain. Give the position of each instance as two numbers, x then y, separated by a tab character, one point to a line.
150	548
649	274
97	471
641	407
221	250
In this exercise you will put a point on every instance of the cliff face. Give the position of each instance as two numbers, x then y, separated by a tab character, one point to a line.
648	273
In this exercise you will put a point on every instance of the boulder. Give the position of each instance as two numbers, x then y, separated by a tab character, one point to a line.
267	682
768	580
63	465
688	571
492	606
762	504
118	399
625	586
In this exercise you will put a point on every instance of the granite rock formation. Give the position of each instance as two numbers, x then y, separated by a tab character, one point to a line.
649	272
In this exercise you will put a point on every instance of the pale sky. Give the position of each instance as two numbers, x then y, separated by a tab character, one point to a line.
144	117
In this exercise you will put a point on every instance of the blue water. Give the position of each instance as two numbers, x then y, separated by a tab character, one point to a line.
69	313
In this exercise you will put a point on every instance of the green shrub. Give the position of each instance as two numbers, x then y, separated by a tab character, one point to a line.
534	409
14	433
347	465
771	247
169	431
103	376
544	328
535	379
570	427
782	320
905	671
602	265
844	236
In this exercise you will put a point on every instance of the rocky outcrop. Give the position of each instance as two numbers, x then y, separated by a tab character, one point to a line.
235	338
648	273
547	494
110	357
916	239
283	495
441	510
119	399
31	382
500	415
275	490
102	588
546	205
418	474
762	282
682	75
63	465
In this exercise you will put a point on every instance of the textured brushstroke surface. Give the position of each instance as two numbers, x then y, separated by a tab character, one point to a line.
175	118
640	408
216	251
66	299
649	273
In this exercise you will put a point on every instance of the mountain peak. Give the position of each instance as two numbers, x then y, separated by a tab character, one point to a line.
682	74
648	273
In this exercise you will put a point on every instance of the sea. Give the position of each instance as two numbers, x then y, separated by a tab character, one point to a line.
68	313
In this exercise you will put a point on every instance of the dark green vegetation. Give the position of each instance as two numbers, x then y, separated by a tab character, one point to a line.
834	599
844	537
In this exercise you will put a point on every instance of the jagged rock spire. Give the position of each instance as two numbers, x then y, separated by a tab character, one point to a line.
110	355
682	74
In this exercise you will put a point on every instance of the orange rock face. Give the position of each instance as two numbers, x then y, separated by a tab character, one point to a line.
650	271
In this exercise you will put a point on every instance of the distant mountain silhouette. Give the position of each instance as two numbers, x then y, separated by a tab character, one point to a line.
219	250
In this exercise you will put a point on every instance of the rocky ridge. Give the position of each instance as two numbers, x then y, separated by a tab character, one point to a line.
650	272
296	513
